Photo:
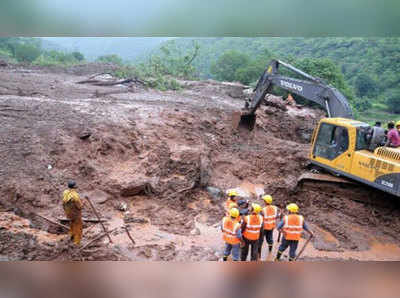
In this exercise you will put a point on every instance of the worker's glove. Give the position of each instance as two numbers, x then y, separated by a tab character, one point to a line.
242	244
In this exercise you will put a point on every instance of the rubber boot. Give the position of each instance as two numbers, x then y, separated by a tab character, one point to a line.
291	259
278	256
225	258
270	248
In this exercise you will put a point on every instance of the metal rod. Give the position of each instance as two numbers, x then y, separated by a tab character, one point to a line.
129	235
98	237
304	247
53	222
99	218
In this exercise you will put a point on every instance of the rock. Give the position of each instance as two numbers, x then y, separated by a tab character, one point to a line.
195	232
85	134
122	206
215	193
133	189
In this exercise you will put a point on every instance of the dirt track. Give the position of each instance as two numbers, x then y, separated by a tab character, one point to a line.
175	143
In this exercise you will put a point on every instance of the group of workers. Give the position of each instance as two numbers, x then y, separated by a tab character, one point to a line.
246	225
393	134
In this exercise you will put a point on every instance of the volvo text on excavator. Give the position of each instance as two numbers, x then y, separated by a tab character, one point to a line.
340	145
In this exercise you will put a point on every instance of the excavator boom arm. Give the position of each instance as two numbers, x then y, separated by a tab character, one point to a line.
312	89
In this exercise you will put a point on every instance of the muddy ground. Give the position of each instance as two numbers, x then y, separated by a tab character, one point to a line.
165	156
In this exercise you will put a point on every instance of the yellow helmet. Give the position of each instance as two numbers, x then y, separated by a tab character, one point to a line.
397	123
232	205
256	208
234	212
232	193
267	199
292	207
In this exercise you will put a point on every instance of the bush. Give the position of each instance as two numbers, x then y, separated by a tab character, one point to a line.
249	73
26	52
78	56
225	68
114	59
365	86
393	102
362	104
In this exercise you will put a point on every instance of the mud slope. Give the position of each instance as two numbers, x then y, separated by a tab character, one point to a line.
157	152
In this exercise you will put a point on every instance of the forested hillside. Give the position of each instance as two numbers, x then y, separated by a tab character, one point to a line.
365	70
369	66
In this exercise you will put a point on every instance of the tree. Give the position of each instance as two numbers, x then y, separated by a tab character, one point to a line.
26	52
365	86
393	101
249	73
78	56
224	69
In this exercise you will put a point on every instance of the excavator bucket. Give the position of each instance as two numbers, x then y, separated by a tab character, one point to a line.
247	121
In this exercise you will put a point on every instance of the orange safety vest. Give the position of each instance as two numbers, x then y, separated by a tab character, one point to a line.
293	226
229	229
270	217
253	226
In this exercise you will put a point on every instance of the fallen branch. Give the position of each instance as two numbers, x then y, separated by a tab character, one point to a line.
99	218
53	222
105	83
129	235
83	219
98	237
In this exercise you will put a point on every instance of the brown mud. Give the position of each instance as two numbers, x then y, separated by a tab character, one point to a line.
168	156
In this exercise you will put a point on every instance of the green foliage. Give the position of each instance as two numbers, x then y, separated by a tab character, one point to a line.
228	64
171	60
163	66
29	50
126	71
393	101
362	104
249	73
78	56
365	86
26	52
57	58
114	59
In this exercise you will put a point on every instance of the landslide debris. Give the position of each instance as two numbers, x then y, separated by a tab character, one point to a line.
166	157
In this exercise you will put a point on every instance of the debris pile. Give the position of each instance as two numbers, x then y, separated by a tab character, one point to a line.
159	163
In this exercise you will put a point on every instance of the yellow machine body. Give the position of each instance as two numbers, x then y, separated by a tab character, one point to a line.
339	146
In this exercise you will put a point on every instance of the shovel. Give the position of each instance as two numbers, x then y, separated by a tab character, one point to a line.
304	247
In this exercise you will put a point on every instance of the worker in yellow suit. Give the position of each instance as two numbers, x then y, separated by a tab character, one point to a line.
72	205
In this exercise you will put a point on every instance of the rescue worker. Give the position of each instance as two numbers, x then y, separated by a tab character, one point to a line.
243	207
252	226
72	205
270	214
231	206
293	226
232	198
393	137
232	235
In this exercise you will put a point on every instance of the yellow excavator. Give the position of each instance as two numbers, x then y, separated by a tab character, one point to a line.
340	145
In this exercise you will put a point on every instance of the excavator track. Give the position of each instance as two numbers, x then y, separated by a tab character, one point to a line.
323	178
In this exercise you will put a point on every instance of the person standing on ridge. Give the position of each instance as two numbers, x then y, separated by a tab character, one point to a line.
72	206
